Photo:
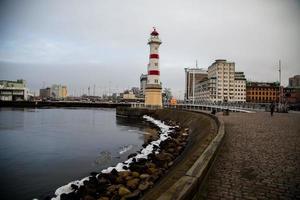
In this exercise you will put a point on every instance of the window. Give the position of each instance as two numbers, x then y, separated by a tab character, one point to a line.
156	64
156	81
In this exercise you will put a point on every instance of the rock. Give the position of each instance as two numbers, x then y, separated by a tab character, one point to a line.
144	176
127	178
132	155
102	180
74	187
135	174
114	172
164	157
135	195
142	161
171	150
144	185
136	167
179	148
124	174
103	198
120	180
183	143
123	191
94	174
88	197
133	183
112	189
151	165
151	170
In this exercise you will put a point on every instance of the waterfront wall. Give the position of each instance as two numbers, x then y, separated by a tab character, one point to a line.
191	184
192	166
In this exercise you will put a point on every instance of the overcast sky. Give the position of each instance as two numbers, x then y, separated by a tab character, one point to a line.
104	42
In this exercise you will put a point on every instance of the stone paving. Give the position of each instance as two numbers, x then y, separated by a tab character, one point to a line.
259	159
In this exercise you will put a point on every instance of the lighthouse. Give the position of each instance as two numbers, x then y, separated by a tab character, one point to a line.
153	97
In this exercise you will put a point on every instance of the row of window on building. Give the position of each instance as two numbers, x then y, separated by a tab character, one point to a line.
220	77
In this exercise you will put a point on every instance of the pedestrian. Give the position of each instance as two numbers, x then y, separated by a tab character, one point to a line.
272	108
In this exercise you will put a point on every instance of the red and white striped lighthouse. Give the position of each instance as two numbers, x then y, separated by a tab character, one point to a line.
153	95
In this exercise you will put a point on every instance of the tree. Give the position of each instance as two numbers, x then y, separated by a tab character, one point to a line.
167	94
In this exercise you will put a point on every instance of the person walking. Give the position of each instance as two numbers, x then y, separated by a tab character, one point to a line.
272	108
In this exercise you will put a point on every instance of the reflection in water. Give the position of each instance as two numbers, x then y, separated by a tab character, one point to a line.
104	158
146	129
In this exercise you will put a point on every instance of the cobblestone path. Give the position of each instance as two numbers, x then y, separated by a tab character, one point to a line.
259	159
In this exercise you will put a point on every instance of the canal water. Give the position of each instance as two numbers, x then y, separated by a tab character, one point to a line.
43	149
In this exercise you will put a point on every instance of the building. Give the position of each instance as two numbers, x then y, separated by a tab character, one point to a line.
55	91
202	90
291	95
239	87
45	92
222	84
153	90
294	81
262	92
143	82
129	95
14	90
192	77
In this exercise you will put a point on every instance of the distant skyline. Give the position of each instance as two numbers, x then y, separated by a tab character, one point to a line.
104	43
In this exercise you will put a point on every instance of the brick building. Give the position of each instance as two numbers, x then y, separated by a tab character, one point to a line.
262	92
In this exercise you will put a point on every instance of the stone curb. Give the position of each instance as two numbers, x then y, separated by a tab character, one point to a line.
187	186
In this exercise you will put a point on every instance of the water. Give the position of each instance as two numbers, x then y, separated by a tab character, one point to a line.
42	149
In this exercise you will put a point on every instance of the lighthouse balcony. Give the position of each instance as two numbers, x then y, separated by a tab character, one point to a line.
153	86
154	40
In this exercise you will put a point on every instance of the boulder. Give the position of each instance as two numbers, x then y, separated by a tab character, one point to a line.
124	174
123	191
132	155
88	197
133	183
171	150
144	185
170	164
135	174
112	189
135	195
144	176
151	170
103	198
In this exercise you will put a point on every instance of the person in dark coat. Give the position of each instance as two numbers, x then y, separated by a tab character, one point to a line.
272	108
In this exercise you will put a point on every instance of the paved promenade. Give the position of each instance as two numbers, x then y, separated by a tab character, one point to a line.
259	159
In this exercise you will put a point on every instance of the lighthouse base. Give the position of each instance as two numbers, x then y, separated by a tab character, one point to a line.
153	97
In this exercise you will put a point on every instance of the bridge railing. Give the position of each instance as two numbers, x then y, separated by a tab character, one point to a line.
216	107
142	105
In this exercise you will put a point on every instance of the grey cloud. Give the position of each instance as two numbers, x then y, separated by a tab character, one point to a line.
109	39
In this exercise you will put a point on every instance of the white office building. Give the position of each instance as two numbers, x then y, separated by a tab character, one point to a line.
223	84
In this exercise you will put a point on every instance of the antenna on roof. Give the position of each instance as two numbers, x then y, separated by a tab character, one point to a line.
279	70
197	64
